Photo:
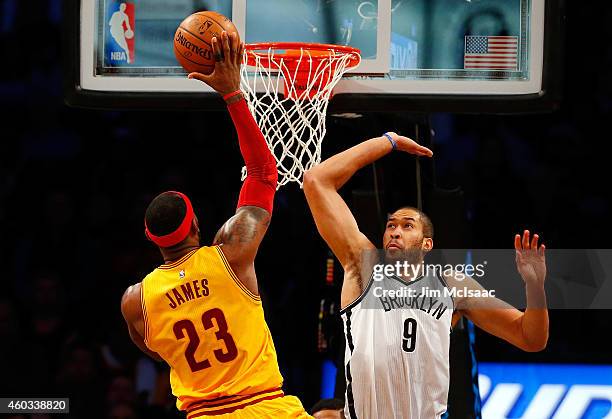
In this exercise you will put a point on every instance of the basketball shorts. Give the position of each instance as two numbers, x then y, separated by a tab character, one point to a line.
286	407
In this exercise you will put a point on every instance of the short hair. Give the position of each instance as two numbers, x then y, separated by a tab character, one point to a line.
327	404
165	213
428	228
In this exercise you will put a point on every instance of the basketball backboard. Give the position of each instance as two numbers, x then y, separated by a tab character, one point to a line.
462	55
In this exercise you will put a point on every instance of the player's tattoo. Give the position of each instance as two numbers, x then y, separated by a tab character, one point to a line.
244	226
242	230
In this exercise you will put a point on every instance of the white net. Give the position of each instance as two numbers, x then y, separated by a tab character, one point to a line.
293	121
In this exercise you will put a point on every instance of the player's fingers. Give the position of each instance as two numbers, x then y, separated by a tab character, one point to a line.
216	49
542	251
517	242
526	239
229	51
240	54
225	43
199	76
424	151
534	242
233	44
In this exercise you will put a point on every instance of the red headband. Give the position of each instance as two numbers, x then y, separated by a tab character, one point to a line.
180	233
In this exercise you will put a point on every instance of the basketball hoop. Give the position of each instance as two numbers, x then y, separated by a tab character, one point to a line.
293	121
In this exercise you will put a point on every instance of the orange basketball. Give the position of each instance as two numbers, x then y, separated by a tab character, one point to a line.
193	40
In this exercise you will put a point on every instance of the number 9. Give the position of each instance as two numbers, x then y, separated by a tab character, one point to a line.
410	331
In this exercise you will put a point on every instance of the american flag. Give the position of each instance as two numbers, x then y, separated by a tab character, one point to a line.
491	52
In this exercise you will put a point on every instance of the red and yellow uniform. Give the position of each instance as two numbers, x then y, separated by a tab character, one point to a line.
211	330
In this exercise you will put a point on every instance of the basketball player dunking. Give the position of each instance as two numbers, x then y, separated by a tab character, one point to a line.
396	361
200	311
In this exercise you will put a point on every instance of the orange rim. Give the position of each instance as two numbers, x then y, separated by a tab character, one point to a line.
292	51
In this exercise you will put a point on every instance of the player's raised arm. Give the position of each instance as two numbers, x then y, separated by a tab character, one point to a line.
334	220
332	216
242	234
526	330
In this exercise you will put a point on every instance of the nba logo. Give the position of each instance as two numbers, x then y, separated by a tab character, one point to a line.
120	29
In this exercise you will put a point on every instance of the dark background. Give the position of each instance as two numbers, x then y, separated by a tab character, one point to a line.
74	185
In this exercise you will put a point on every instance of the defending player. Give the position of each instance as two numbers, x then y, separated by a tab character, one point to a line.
200	311
397	358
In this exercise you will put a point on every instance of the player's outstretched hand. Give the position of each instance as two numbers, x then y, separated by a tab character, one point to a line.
407	145
228	57
530	259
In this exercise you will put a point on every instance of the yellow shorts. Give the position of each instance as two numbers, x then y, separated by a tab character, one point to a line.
286	407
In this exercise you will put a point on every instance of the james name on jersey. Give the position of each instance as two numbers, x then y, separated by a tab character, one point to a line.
187	292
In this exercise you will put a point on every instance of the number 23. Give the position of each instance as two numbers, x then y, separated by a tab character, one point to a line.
183	326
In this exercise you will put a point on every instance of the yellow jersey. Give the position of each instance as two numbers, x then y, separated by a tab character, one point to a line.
211	330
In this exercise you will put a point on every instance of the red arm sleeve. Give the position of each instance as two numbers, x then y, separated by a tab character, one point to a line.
260	184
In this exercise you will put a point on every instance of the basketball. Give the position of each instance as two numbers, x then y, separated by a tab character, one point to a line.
193	40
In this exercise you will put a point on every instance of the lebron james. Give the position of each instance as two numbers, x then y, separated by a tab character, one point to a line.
200	311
